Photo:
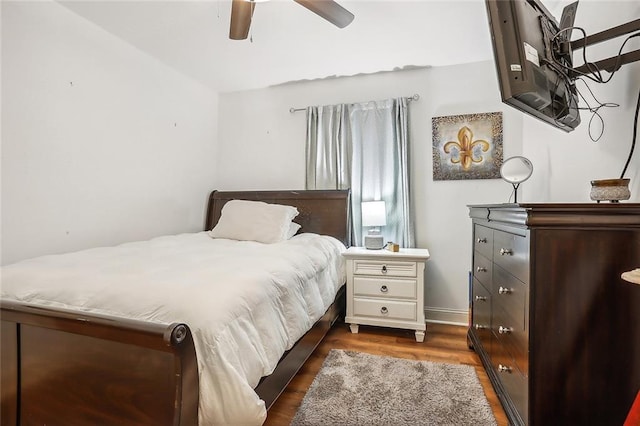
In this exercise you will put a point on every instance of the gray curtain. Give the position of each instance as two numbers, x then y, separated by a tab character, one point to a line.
328	149
364	147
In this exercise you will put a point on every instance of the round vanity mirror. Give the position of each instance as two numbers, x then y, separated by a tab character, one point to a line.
516	170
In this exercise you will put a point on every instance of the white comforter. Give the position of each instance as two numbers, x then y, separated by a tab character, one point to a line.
245	302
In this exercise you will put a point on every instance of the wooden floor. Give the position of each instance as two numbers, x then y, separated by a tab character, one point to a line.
443	343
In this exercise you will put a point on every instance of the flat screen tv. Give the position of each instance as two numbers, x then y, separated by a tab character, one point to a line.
532	56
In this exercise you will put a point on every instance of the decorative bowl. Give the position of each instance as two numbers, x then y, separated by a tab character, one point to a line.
613	190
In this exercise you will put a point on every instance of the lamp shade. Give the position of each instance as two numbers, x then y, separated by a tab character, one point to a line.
374	213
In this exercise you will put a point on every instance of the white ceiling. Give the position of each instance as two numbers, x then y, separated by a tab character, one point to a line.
290	43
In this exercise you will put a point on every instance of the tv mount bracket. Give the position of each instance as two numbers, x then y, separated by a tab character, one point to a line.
615	62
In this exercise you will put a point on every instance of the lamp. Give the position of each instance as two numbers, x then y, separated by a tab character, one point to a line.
374	215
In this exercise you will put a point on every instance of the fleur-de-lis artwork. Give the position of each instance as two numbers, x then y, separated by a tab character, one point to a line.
467	146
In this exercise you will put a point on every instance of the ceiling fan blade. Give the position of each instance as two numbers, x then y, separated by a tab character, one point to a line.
329	10
241	13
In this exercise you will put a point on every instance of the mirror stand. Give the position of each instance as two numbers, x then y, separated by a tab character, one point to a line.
515	192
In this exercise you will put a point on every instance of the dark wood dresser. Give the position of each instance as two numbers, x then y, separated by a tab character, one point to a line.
557	329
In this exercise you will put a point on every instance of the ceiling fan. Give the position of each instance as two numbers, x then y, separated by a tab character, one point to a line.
242	11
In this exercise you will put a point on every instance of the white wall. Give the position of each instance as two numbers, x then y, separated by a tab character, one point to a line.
101	144
261	146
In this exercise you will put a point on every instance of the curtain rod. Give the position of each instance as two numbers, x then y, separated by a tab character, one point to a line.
409	99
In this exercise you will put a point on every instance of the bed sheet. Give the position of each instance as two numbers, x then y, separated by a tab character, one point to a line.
245	302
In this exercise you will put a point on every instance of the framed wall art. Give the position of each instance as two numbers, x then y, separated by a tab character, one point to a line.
467	146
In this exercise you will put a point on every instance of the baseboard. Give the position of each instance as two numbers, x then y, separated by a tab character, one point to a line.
447	316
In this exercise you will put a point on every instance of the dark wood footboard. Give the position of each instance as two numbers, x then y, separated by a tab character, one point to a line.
61	367
64	367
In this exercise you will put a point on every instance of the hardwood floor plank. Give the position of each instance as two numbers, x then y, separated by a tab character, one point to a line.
443	343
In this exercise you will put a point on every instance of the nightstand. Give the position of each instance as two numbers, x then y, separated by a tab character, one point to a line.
386	288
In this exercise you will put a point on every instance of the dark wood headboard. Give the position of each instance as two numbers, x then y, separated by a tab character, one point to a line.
320	211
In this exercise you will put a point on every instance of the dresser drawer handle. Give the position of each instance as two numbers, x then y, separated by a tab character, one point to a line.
481	299
504	330
504	368
481	269
384	310
384	269
482	240
479	327
506	252
384	289
505	290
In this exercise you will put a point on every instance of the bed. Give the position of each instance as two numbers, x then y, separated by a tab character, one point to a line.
86	365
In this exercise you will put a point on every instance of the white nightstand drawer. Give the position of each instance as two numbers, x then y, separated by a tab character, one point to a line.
382	268
385	309
383	287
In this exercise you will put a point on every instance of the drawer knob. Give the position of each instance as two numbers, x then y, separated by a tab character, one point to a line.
479	327
482	240
384	289
504	290
481	269
506	252
504	368
384	310
481	299
504	330
384	269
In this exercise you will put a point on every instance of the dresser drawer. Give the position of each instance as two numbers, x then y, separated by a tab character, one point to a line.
385	287
514	382
481	315
511	252
483	240
512	338
385	309
382	268
482	268
510	294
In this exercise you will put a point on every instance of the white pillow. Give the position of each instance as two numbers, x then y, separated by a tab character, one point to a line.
293	229
254	221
